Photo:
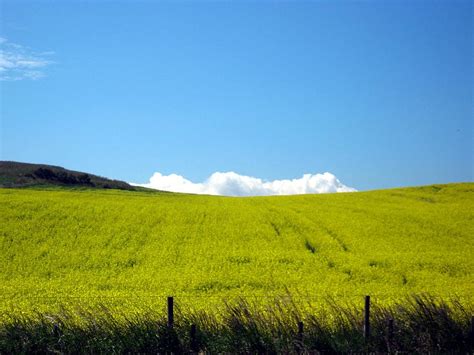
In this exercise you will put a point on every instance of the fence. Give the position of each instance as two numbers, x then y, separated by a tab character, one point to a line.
300	326
367	326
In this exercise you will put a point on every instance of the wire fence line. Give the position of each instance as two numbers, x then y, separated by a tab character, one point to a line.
401	296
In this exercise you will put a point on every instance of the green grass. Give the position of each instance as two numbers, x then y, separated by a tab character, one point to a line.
420	325
83	259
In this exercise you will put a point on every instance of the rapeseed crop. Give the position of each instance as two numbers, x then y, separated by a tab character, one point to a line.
64	251
63	243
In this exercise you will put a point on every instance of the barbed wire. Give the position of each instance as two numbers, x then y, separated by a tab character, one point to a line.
16	296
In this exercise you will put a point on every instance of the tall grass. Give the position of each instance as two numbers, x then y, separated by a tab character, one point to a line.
421	324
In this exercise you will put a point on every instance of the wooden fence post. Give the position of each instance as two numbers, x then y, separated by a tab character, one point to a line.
192	335
367	318
472	331
56	330
390	334
299	340
170	312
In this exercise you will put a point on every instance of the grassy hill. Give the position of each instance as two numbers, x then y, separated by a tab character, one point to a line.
112	243
89	269
16	174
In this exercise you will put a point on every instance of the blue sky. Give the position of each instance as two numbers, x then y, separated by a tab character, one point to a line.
377	93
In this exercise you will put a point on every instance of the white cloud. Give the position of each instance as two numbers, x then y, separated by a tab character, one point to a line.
18	62
233	184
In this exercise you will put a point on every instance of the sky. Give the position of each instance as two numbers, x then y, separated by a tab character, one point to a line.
300	96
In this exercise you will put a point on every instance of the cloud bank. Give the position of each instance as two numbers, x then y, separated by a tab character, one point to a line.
233	184
20	63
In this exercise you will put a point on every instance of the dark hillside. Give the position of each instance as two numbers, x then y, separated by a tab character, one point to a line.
15	174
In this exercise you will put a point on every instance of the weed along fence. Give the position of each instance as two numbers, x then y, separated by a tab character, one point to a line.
300	345
419	324
299	339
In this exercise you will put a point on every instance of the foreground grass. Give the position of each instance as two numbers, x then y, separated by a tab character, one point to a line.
418	324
